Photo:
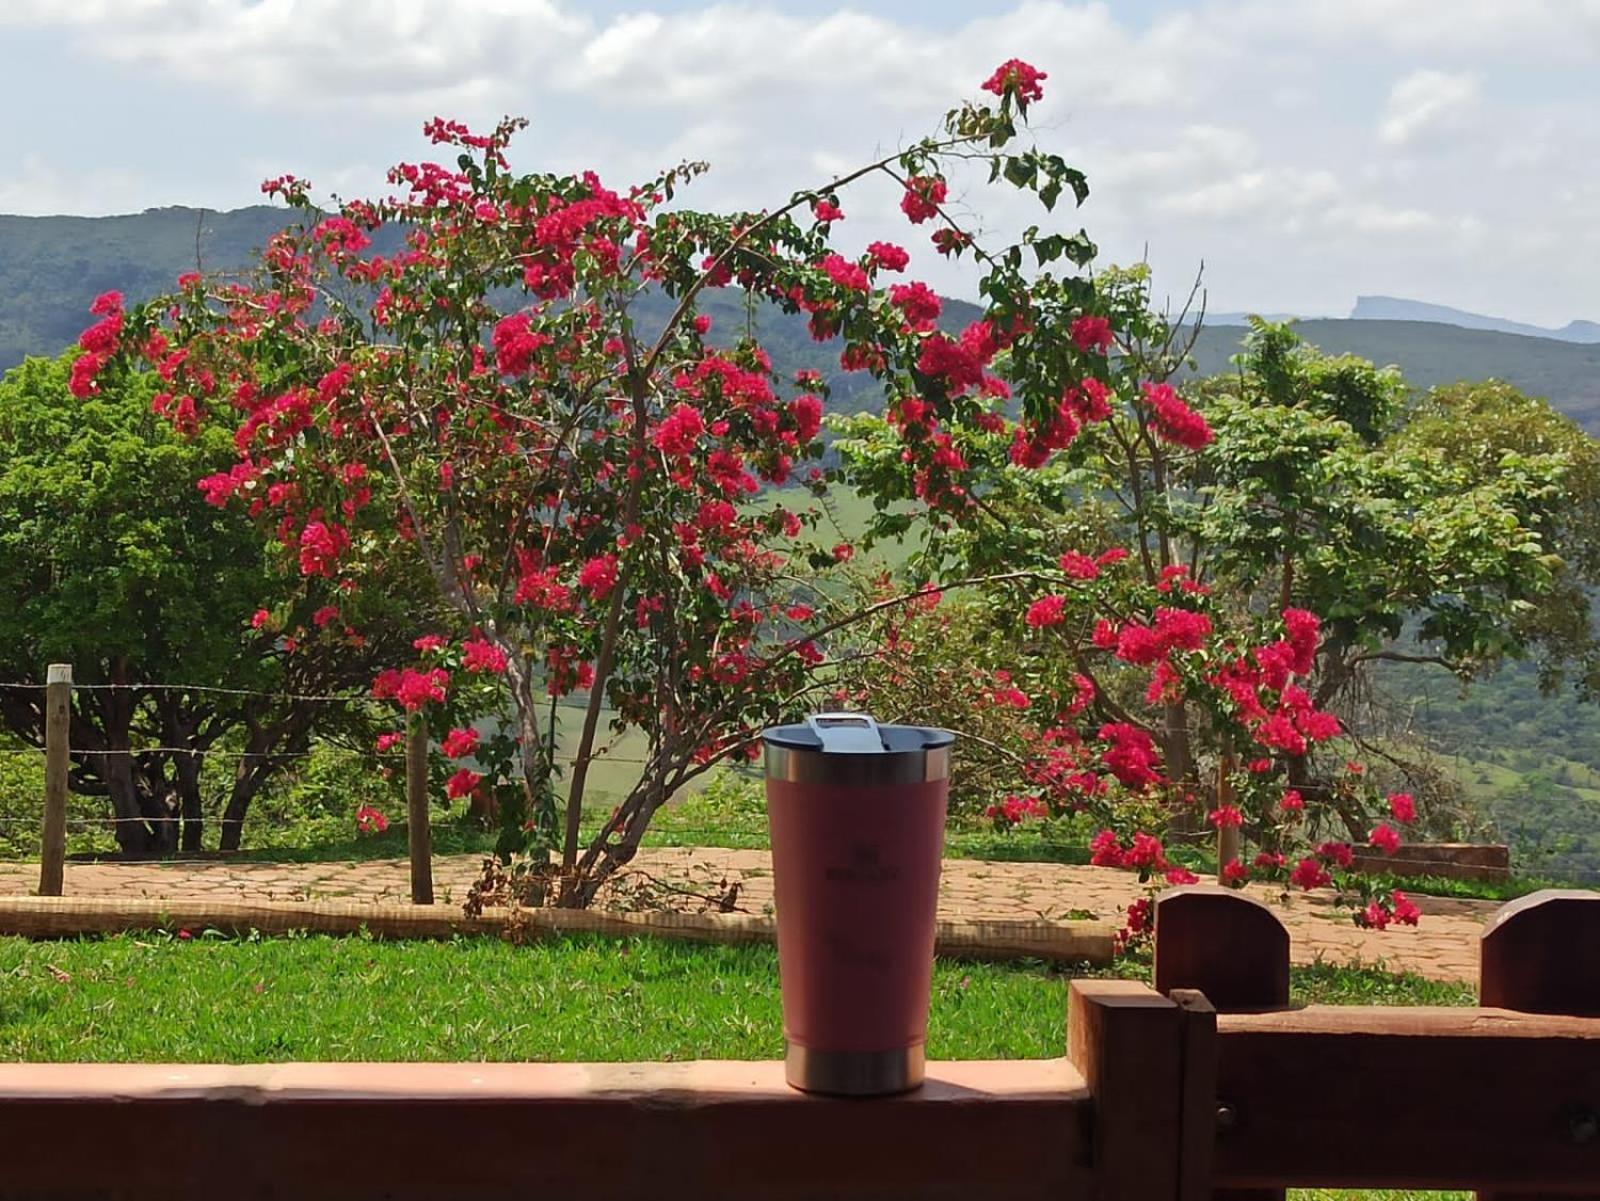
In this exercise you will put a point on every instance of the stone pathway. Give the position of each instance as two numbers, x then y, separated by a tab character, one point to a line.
1444	946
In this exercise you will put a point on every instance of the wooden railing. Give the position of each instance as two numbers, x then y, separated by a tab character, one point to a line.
1206	1085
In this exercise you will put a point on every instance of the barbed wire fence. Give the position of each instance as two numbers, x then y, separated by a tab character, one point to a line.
57	821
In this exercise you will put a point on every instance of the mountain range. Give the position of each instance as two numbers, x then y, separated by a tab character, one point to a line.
52	267
1394	308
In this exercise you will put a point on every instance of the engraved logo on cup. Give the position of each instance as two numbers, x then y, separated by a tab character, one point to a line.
865	867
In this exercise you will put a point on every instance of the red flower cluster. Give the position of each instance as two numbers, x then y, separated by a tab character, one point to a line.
1385	837
918	302
886	256
479	655
1076	565
1016	809
462	783
848	275
599	576
413	689
459	743
321	544
1046	611
679	431
1174	421
370	820
1019	79
923	196
1131	755
1174	630
1091	333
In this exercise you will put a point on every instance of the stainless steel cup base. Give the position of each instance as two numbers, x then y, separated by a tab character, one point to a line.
854	1073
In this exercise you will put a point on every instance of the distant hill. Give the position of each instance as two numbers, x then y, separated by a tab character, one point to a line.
1391	308
1567	374
52	267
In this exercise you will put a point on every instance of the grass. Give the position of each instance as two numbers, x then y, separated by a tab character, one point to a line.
155	997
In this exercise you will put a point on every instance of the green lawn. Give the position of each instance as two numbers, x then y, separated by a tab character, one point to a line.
158	997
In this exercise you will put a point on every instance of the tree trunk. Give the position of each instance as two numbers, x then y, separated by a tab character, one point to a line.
143	830
1188	821
187	771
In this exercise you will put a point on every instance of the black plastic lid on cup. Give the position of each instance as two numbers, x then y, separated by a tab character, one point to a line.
851	748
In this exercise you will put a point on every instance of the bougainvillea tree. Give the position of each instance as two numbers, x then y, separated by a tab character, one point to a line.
1174	669
491	395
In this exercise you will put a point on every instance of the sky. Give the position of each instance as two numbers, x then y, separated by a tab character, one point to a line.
1302	151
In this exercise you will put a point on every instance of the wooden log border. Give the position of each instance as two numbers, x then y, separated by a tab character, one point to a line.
66	917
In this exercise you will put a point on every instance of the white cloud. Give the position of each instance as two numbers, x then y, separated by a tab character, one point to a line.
1426	102
1240	131
38	188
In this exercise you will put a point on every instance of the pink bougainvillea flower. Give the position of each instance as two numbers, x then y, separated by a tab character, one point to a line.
1385	837
459	742
1402	807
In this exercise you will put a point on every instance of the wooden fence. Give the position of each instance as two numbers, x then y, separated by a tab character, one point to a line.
1207	1084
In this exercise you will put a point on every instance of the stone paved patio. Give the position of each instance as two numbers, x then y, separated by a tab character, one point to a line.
1444	946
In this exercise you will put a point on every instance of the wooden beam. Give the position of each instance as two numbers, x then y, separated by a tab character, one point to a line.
55	917
1013	1131
1353	1097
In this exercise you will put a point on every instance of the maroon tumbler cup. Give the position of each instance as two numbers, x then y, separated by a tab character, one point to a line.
857	814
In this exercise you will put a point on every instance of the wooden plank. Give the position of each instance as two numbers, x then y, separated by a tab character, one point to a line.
1126	1040
54	917
1350	1097
57	763
1014	1131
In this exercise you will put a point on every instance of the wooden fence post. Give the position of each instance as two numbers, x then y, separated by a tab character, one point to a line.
1541	954
1126	1039
1236	952
419	833
57	745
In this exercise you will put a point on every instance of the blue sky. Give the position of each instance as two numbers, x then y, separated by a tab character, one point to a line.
1305	151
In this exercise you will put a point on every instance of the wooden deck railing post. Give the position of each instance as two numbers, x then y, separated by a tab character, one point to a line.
1126	1040
57	727
1541	954
1235	952
419	833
